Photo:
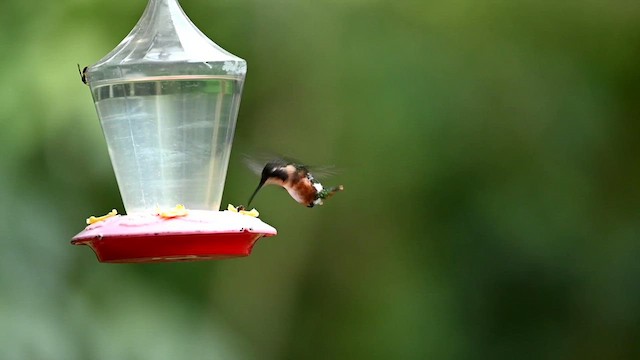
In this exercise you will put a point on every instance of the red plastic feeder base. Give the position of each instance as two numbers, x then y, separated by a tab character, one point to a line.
200	235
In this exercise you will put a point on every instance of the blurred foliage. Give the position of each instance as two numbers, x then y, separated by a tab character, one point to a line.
491	203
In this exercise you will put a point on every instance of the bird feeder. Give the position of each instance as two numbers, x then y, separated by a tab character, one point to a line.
168	98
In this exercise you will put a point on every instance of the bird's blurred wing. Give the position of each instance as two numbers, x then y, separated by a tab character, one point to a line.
253	163
324	172
256	164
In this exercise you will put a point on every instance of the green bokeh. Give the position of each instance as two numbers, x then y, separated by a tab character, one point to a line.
491	203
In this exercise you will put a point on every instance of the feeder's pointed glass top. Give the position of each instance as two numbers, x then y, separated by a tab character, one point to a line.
168	99
164	34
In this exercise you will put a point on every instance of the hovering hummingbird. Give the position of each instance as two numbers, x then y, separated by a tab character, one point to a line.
296	179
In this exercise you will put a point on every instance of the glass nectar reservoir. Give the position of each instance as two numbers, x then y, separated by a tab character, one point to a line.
168	98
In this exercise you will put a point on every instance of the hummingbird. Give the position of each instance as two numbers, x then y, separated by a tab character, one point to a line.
297	180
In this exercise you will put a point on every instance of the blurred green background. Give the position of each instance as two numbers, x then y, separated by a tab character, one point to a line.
491	206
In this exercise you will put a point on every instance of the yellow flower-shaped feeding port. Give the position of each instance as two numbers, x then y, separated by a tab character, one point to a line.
240	209
95	219
177	211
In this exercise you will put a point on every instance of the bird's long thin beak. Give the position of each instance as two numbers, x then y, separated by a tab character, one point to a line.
255	192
